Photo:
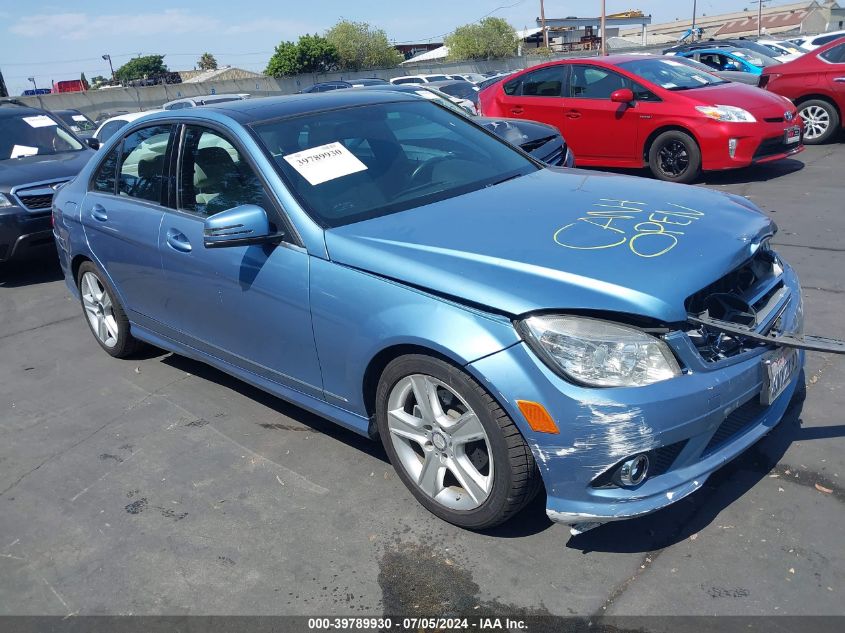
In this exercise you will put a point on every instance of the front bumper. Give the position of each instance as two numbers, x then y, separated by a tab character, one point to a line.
759	142
690	425
23	233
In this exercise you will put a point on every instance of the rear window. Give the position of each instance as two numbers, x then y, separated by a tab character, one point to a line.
34	135
835	55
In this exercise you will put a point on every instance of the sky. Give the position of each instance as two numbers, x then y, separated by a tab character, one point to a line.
51	40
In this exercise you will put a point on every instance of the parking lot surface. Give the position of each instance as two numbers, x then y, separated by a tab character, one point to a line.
161	486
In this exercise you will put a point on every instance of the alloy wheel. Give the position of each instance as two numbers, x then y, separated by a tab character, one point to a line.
99	309
816	121
440	442
673	158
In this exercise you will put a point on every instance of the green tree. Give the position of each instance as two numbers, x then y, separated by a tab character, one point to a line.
207	62
360	47
311	54
140	67
491	38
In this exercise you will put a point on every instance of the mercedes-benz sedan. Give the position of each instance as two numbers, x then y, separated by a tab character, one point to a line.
503	326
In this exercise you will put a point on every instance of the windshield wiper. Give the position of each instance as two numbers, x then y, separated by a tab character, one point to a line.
499	182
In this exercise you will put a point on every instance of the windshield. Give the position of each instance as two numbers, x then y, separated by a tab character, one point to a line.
34	135
671	74
755	47
754	58
362	162
77	122
464	90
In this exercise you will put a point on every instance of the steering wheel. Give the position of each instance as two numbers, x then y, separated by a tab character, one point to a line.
426	168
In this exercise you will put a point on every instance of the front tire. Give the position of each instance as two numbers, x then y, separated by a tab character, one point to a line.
821	121
451	444
104	314
674	156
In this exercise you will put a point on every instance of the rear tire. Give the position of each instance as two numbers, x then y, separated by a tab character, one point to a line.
674	156
821	121
104	314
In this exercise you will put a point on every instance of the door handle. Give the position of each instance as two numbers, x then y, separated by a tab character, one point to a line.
839	80
517	110
573	114
178	241
99	213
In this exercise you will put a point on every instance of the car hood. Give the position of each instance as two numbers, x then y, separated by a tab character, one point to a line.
516	131
760	103
21	171
562	239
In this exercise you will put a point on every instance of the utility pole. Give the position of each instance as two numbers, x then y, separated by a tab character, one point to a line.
543	24
692	29
759	18
603	20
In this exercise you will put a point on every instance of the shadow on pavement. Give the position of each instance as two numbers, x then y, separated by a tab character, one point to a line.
692	514
28	272
282	407
754	173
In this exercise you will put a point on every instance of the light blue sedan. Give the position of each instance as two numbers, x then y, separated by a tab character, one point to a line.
503	326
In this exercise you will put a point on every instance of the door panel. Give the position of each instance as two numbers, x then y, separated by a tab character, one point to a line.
122	216
536	96
248	305
598	130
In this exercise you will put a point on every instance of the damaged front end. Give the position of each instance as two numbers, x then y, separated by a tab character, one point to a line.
747	309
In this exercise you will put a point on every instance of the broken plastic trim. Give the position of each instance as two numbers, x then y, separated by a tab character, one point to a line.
806	342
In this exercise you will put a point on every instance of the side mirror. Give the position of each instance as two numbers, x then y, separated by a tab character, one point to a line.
240	226
92	143
623	95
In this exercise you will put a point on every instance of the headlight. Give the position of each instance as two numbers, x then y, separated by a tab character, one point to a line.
726	113
599	353
5	202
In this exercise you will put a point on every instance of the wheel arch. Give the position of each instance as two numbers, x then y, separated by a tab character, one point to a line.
75	263
671	127
821	97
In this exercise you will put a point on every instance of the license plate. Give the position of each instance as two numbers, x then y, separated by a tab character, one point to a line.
779	367
792	135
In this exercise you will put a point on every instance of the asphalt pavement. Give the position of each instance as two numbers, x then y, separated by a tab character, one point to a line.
158	485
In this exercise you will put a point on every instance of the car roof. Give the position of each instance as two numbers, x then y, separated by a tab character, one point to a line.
15	110
250	110
131	116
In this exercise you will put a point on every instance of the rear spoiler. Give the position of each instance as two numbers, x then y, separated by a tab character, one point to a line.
807	342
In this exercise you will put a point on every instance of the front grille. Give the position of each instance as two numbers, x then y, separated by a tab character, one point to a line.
738	421
37	202
772	146
774	119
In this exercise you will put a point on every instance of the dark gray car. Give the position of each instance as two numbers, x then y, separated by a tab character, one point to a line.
38	154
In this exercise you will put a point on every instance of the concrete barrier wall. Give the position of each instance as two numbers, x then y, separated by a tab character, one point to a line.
94	102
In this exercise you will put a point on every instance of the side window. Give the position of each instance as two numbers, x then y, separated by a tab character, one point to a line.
214	176
591	82
142	164
512	87
546	82
104	178
835	55
642	93
711	60
109	130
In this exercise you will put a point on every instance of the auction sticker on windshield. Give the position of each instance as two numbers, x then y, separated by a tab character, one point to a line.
326	162
40	120
20	151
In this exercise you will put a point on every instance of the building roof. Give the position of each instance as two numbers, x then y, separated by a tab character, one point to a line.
771	23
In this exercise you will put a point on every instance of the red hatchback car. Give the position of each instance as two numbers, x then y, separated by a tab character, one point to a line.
636	110
816	83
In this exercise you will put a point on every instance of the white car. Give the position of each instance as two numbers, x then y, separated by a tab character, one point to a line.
782	50
201	100
419	79
110	126
471	77
812	42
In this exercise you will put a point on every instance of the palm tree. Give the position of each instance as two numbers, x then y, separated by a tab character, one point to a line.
207	62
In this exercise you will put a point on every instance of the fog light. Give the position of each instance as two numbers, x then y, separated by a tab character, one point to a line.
732	147
633	472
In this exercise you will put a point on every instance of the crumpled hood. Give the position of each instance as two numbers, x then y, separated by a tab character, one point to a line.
21	171
562	239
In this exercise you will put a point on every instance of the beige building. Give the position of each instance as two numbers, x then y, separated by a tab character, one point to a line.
781	20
